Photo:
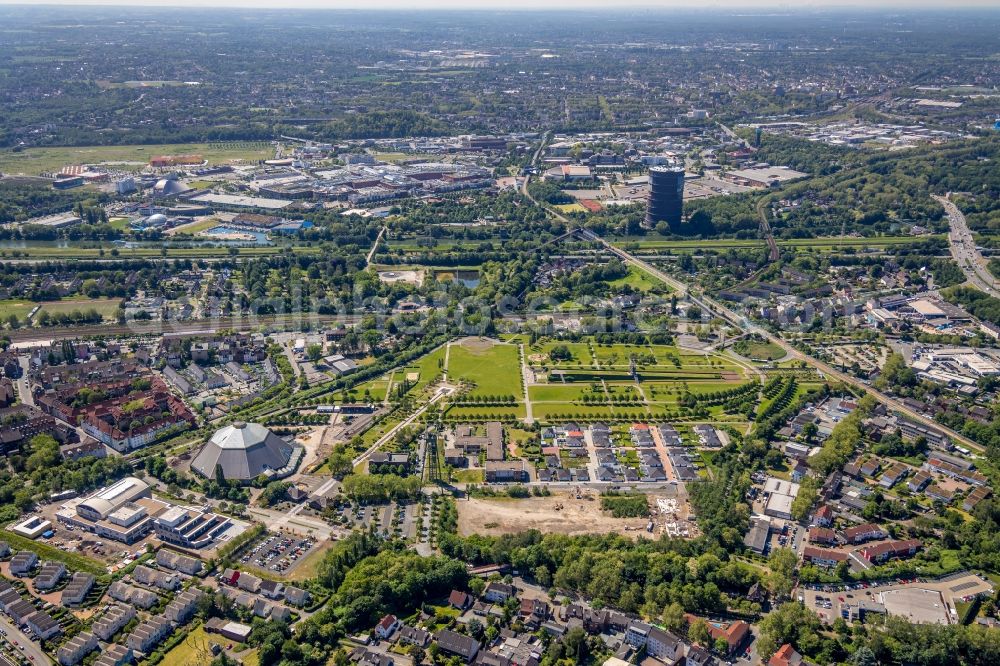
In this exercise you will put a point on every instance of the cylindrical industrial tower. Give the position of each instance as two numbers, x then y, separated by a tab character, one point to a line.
666	196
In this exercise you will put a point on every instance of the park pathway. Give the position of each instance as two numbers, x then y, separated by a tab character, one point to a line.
529	416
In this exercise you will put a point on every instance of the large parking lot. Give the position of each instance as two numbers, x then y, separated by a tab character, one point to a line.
920	601
277	553
392	519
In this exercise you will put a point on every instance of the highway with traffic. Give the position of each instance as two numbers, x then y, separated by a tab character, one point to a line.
964	250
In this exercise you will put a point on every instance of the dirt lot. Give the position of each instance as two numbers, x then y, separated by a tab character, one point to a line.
505	516
412	277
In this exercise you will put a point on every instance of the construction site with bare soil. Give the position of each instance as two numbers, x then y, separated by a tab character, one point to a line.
571	513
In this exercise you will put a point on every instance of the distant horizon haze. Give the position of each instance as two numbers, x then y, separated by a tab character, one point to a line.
529	5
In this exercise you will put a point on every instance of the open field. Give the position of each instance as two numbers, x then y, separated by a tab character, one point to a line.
20	307
17	307
105	306
374	389
427	368
307	568
495	516
36	161
193	227
570	208
561	392
193	650
481	413
638	280
493	368
538	354
766	351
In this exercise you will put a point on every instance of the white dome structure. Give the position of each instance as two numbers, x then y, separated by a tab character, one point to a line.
244	451
169	187
156	220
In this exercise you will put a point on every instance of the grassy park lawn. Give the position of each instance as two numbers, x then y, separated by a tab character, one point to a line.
375	389
639	280
494	369
15	306
561	392
579	351
105	306
481	413
767	351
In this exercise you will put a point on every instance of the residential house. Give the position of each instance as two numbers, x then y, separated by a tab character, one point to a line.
822	535
297	596
109	624
863	533
145	637
78	588
75	649
183	606
153	578
887	550
189	565
460	600
43	625
498	592
387	626
23	562
460	645
894	475
785	656
413	636
823	557
272	589
49	575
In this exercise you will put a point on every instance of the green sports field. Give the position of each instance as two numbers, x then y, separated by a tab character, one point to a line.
36	161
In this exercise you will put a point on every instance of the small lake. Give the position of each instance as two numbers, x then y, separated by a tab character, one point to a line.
469	278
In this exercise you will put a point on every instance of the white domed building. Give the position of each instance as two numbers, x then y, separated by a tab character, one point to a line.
245	451
170	186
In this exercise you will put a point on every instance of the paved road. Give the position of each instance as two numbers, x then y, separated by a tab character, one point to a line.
24	393
371	252
529	417
741	322
964	251
293	522
734	136
31	649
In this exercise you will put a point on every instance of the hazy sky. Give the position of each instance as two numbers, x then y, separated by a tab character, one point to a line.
525	4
